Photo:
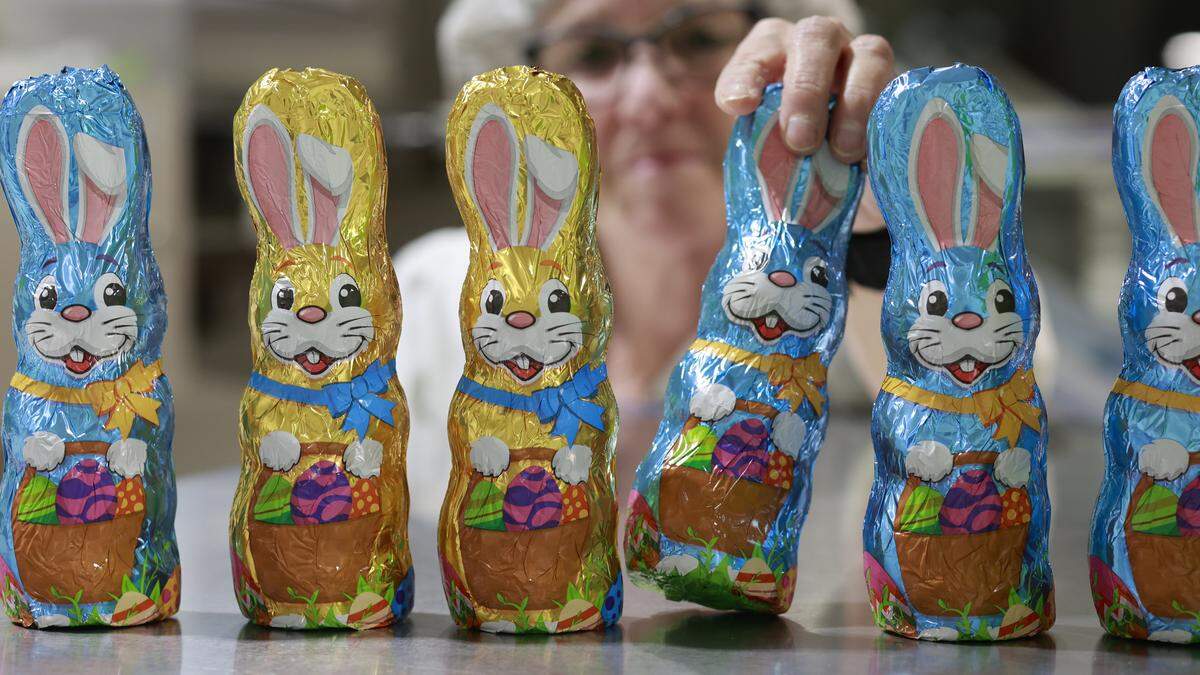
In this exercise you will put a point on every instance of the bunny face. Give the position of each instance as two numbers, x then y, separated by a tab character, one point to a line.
535	300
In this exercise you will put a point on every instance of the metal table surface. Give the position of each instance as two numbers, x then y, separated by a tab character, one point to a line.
827	630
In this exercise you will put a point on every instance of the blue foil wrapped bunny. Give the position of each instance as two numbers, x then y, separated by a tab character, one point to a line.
955	533
718	502
1144	564
88	493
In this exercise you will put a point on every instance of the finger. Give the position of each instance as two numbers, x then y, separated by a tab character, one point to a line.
757	61
870	67
814	49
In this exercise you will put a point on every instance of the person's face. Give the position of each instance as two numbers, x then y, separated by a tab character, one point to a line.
661	137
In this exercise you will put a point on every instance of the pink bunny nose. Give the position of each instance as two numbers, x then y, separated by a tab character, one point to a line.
76	313
311	314
967	320
782	279
520	319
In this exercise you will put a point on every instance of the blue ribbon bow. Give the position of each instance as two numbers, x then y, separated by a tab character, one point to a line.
358	400
566	405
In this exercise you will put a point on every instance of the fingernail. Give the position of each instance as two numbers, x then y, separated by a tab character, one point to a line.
848	140
738	93
801	133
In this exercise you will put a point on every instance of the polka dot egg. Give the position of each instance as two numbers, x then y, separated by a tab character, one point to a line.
742	451
1188	515
321	495
972	505
86	494
532	501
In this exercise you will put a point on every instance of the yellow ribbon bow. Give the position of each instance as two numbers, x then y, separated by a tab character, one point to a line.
121	400
1008	406
798	379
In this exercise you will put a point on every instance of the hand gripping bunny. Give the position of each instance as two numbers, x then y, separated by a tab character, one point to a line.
530	511
89	488
319	523
1145	540
955	534
728	478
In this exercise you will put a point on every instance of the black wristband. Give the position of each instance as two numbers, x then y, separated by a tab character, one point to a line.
869	258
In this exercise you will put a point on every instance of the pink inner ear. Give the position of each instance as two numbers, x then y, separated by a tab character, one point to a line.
271	176
987	215
1173	175
938	162
492	176
45	172
820	204
775	165
325	207
545	215
99	208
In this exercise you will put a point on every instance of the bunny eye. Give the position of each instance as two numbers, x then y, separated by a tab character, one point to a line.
1173	296
283	295
346	291
934	300
817	272
1005	302
555	297
756	260
109	291
46	293
493	297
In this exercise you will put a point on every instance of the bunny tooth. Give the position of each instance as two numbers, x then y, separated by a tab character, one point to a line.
43	450
1163	459
104	164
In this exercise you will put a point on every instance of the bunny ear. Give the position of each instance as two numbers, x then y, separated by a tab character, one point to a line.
828	182
42	160
329	177
270	172
776	168
990	162
1169	156
935	172
491	174
553	176
102	190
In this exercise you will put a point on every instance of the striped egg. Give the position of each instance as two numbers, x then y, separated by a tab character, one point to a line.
972	505
321	495
1188	515
532	501
742	451
86	494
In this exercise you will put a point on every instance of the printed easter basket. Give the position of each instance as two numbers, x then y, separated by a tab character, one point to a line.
85	528
725	489
313	527
1162	534
946	572
538	523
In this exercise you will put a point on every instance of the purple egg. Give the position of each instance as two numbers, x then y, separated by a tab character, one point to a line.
86	494
742	451
532	501
1188	515
972	505
321	495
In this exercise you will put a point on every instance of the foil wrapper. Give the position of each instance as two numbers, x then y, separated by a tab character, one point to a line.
1145	542
718	502
87	502
955	534
318	529
527	535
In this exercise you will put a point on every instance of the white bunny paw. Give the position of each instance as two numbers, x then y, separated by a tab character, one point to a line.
43	450
53	620
289	621
712	402
489	455
939	634
929	460
1012	467
279	450
679	564
363	459
1177	636
571	463
787	433
127	457
1163	459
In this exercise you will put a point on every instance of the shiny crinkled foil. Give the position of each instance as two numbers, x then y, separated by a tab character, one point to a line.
528	529
1144	563
955	534
318	530
87	502
718	502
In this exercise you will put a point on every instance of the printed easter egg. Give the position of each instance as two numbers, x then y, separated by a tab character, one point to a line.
695	448
780	471
614	602
86	494
1114	602
578	614
1017	509
972	505
575	503
1018	621
921	511
1155	512
168	598
364	498
1188	515
274	503
131	496
756	580
133	608
485	507
369	610
532	501
742	451
38	501
321	495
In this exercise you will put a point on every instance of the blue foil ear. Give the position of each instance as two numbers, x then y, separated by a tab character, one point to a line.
719	500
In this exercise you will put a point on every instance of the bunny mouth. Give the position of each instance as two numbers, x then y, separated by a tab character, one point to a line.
1192	366
79	361
967	369
523	367
314	361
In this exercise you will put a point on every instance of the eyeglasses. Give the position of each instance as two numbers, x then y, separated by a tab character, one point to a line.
695	41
